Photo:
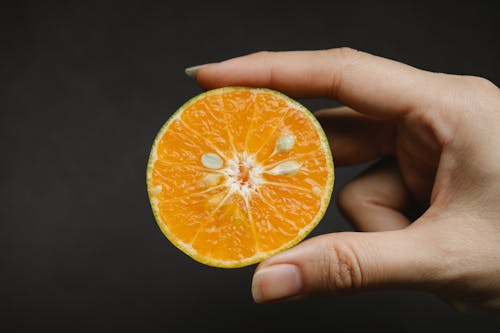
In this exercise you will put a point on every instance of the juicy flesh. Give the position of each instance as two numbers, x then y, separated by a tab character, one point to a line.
240	210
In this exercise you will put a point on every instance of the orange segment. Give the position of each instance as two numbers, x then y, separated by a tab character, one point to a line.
307	139
175	180
294	204
206	116
272	229
238	113
229	236
183	217
267	118
310	177
181	145
238	174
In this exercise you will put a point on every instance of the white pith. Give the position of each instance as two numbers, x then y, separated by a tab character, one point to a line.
232	173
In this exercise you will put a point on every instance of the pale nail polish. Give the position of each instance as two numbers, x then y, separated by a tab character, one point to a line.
192	71
276	282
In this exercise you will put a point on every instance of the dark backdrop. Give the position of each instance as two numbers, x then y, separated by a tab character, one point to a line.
85	86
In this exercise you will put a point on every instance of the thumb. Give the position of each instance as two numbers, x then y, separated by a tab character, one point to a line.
343	262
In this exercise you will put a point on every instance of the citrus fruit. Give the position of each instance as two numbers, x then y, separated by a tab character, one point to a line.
239	174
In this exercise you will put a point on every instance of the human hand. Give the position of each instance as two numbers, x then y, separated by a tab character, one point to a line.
435	134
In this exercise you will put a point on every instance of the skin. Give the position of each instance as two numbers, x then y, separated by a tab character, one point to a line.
427	211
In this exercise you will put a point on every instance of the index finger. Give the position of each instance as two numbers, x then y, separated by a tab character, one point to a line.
365	82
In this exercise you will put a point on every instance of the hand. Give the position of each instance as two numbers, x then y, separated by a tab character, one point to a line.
437	139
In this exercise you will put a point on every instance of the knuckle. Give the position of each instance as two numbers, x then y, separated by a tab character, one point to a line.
480	94
345	51
262	54
347	198
342	270
463	94
344	57
479	83
352	200
475	89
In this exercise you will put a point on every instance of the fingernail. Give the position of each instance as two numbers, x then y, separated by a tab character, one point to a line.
276	282
192	71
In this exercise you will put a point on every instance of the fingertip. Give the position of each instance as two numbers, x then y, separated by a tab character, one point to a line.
232	72
206	75
276	282
256	289
201	76
192	71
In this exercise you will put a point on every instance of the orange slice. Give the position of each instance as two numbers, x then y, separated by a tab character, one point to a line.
239	174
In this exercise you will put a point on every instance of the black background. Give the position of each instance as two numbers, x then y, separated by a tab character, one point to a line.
85	86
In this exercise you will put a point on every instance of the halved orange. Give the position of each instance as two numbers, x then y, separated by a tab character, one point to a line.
239	174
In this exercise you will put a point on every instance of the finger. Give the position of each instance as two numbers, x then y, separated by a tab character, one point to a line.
365	82
355	137
376	200
342	262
